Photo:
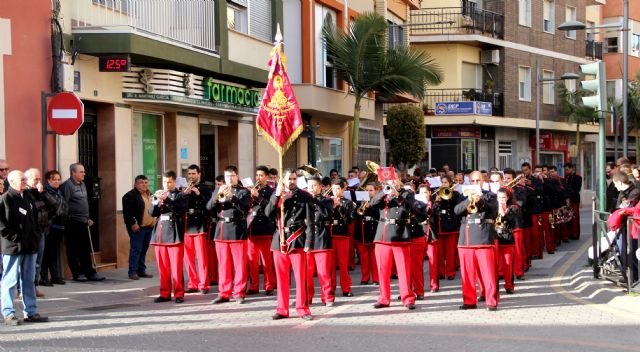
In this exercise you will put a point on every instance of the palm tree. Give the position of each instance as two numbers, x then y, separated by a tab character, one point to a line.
362	59
572	107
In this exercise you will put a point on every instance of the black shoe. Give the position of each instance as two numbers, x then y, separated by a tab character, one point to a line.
435	290
58	282
80	278
520	277
252	292
509	291
145	276
240	300
441	277
410	306
191	290
482	299
268	293
96	277
278	316
307	317
134	277
45	283
419	298
376	283
492	308
213	283
394	277
467	306
364	282
451	277
380	305
220	300
179	300
161	299
551	252
36	318
399	298
347	294
204	291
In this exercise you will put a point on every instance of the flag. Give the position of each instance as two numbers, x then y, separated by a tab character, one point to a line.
386	174
279	119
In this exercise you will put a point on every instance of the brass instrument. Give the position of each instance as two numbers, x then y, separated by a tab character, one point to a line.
499	223
514	182
551	220
159	193
222	192
445	193
471	208
189	187
387	189
363	208
309	171
372	174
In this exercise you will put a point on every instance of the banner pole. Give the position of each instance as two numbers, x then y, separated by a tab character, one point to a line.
281	201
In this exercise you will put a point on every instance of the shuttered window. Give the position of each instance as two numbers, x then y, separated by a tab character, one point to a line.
260	21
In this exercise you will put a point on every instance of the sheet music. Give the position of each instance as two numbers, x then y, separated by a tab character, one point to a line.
247	182
434	182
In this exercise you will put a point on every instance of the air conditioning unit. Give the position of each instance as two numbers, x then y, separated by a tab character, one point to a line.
490	57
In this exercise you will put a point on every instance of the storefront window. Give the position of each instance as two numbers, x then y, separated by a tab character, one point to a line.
329	154
148	148
468	154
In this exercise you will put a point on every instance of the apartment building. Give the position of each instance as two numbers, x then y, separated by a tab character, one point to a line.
500	52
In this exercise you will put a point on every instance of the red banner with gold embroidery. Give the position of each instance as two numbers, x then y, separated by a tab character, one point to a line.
279	119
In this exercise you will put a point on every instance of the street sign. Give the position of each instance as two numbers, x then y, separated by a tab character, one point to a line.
65	113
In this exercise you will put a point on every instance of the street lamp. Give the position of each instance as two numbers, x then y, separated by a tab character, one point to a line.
539	82
577	25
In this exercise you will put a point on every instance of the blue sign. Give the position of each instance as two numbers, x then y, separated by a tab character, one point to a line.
463	108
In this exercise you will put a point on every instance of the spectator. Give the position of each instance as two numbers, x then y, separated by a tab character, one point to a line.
4	171
50	260
136	205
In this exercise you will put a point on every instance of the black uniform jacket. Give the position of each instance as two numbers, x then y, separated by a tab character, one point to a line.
445	219
319	231
480	231
342	216
537	188
525	197
230	215
419	223
132	208
293	212
196	218
395	213
19	229
572	186
554	196
367	225
510	221
259	224
169	227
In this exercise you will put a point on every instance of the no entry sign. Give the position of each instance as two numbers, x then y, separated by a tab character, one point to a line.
65	113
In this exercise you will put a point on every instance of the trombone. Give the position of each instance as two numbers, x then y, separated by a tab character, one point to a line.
514	182
363	208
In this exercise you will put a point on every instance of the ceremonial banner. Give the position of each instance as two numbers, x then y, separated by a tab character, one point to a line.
279	119
386	174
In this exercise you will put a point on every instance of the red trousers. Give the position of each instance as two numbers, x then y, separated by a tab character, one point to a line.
368	266
259	247
574	230
213	262
341	261
520	255
284	263
232	258
537	236
479	260
386	255
320	261
448	245
195	248
433	252
549	241
527	247
169	259
506	253
418	248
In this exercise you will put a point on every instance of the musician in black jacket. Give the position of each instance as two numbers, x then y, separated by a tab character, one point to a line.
341	235
476	245
293	210
509	219
169	206
260	227
320	254
139	223
446	227
573	185
533	182
365	233
230	204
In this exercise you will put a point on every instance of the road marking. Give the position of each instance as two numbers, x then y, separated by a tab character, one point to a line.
331	313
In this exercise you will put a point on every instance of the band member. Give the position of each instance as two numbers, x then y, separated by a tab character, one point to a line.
293	210
230	203
395	206
260	228
509	218
342	216
476	245
541	217
169	206
320	254
418	226
446	227
519	192
573	185
195	235
365	232
554	199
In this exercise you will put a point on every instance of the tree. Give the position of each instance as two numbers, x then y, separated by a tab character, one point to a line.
405	130
361	58
633	109
572	107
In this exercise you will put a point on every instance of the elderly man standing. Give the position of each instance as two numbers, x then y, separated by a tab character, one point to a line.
19	240
77	225
4	171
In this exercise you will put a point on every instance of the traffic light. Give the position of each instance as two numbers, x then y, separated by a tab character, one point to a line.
597	85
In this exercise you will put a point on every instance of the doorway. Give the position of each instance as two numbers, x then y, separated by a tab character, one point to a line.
88	157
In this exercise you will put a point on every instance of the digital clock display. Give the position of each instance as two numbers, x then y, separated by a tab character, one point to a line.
114	64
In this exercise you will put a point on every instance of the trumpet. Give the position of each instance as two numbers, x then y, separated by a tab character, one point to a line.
363	208
189	187
551	220
471	208
445	193
387	189
159	194
499	223
222	192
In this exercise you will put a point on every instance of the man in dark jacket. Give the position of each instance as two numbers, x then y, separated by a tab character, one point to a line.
135	209
573	185
19	240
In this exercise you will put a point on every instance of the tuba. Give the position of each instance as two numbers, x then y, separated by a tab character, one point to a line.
372	174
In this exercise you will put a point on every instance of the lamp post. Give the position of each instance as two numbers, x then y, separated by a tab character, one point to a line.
539	82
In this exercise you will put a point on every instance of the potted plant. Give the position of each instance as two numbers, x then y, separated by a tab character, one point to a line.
488	86
469	94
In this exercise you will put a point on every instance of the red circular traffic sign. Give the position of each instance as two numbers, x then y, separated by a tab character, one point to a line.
65	113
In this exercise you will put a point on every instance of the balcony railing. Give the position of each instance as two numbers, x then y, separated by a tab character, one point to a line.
433	96
457	20
594	50
190	23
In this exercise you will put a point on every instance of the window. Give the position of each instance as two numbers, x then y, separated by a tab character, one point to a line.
471	76
635	42
260	26
369	148
524	83
611	90
325	74
612	45
548	87
570	15
148	152
589	31
524	12
505	154
237	18
548	21
328	154
396	35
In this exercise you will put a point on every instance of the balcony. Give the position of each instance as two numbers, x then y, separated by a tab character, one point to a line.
457	20
594	50
432	96
184	23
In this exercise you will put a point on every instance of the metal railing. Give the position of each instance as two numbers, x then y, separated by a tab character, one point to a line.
594	50
191	23
456	20
462	94
630	252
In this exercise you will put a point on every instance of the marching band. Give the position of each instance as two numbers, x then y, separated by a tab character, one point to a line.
489	229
